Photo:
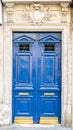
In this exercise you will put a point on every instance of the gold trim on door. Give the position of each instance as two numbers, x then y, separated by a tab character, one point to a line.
25	120
48	120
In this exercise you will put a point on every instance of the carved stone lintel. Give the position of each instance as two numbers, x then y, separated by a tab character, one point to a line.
64	11
34	13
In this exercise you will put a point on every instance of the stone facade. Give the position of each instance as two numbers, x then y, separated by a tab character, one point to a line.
22	17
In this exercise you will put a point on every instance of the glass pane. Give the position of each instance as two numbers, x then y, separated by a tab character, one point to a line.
49	48
24	47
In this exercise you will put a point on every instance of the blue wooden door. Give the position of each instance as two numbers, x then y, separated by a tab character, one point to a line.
36	75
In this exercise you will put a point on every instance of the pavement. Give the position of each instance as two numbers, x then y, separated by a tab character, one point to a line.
34	127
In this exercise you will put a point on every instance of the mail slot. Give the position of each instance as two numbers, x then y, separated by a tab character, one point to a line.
23	94
49	94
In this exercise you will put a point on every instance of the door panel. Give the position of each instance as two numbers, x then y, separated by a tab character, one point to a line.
49	109
23	69
23	76
23	106
50	74
37	75
48	69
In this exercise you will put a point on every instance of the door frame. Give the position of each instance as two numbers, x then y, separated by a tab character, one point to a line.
8	56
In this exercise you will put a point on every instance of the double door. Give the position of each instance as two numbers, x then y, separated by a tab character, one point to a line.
36	76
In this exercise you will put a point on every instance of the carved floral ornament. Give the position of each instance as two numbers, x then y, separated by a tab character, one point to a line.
36	13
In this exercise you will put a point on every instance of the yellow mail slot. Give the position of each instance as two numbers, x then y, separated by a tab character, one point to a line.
23	94
49	94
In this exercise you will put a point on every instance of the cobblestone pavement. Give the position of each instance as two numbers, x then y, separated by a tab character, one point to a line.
34	127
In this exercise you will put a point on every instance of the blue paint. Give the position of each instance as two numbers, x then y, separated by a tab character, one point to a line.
36	72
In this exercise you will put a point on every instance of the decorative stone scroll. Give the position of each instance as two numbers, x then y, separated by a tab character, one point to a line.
9	8
64	11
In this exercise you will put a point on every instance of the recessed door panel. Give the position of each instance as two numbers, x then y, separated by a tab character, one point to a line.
50	105
23	107
48	68
23	69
